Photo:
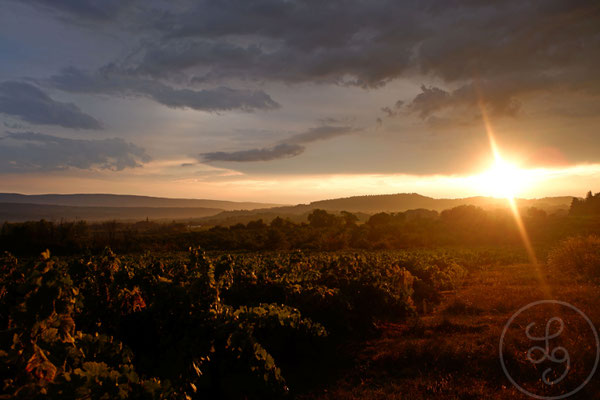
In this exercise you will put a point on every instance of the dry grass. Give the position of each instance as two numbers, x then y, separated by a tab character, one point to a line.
453	352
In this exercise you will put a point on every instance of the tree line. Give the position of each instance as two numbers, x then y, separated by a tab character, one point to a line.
590	205
322	230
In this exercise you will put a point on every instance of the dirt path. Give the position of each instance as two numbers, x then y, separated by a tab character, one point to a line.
453	353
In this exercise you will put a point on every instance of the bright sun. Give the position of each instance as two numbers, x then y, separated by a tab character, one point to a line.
503	179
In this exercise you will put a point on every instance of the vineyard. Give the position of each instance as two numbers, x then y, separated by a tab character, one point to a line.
200	326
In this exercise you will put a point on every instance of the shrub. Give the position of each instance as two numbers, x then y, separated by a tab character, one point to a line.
578	255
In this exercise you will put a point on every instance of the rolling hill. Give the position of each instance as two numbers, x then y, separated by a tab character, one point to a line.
19	212
96	207
16	207
368	205
119	200
408	201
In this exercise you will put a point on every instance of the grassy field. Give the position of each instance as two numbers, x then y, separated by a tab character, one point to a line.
452	353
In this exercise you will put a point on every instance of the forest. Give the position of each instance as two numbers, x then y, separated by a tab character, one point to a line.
465	225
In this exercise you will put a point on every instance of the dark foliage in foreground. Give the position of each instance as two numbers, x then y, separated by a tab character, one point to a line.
105	327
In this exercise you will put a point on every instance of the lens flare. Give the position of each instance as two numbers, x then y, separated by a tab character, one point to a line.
508	178
503	179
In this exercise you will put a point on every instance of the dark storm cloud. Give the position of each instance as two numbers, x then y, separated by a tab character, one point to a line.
500	95
394	110
320	133
32	105
89	10
30	151
515	36
429	100
283	150
371	42
291	147
106	81
13	126
509	47
220	61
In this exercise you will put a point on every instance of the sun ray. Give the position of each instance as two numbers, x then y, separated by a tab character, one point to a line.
500	164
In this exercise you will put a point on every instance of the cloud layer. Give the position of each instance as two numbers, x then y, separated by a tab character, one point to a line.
509	49
30	151
106	81
88	10
292	147
532	64
31	104
283	150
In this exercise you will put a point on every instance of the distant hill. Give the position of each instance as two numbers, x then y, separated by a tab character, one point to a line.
118	200
372	204
95	207
408	201
18	212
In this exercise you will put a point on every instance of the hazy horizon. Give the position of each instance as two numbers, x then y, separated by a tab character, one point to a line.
287	204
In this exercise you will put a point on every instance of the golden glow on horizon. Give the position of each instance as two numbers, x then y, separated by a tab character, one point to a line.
503	179
202	183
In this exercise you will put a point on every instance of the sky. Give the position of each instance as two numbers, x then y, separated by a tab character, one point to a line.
288	101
